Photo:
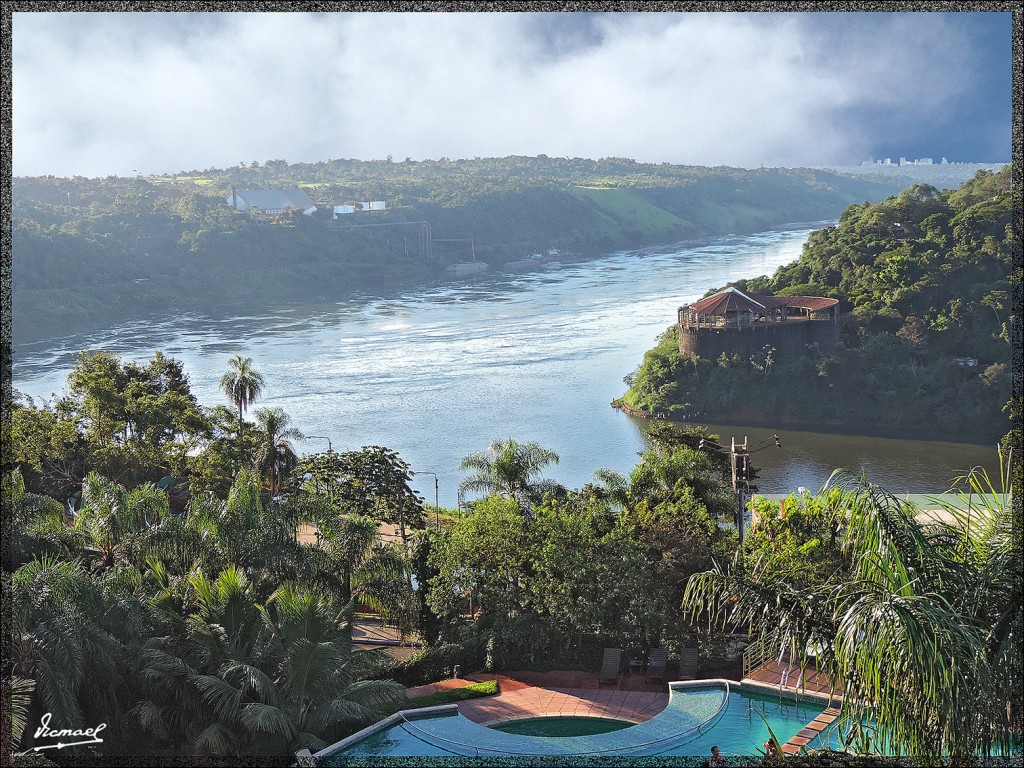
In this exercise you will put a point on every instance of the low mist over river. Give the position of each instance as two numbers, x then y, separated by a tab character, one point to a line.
440	371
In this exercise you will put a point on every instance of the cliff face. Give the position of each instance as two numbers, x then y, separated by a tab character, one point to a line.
790	339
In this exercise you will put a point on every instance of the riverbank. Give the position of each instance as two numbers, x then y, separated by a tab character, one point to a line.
824	428
437	373
92	252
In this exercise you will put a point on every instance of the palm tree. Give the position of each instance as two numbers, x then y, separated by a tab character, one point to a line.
276	455
320	694
663	473
35	525
74	634
112	516
242	532
17	693
241	384
509	468
924	636
260	679
352	562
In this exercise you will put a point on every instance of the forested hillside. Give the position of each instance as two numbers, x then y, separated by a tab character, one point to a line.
925	287
93	251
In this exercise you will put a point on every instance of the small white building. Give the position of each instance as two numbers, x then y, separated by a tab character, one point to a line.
271	201
374	205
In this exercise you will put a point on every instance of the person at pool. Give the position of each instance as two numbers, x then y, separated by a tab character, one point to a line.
716	760
771	754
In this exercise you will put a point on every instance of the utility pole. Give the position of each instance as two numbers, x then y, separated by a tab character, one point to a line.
739	460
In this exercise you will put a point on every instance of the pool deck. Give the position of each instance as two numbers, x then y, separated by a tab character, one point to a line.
525	695
520	700
789	677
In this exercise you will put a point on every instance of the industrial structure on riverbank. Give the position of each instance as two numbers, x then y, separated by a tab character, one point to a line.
734	322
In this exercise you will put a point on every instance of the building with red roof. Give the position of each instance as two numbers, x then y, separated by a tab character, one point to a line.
737	322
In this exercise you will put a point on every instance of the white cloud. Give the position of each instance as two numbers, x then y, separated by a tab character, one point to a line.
98	94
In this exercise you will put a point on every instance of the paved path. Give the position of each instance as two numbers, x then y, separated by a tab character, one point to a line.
519	700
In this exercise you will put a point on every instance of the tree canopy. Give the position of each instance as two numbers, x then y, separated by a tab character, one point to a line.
924	281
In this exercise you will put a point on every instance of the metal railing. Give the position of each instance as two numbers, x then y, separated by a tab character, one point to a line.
755	654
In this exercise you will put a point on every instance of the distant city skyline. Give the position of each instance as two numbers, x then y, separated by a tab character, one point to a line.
153	93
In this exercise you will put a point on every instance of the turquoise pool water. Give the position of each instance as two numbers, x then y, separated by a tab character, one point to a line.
562	727
696	718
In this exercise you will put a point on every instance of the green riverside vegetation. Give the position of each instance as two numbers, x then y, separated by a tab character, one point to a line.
175	571
156	580
924	281
88	252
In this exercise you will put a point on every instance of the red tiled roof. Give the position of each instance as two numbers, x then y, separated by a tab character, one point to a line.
728	300
813	303
769	301
732	299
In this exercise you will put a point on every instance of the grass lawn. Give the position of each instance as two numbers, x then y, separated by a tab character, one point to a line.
625	205
475	691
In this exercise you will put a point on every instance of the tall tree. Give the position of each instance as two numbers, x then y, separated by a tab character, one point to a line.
242	384
510	468
351	560
275	455
111	516
373	481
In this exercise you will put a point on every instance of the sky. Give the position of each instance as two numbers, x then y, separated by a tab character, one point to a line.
98	94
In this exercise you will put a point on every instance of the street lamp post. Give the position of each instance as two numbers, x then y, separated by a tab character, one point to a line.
330	449
321	437
437	506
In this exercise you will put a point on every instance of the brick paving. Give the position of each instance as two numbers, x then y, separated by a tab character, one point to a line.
525	695
533	694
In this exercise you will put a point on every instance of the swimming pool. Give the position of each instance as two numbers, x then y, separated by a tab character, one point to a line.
699	714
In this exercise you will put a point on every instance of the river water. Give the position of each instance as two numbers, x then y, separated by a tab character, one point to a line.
438	372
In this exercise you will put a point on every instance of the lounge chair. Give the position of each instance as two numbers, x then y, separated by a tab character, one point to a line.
610	666
657	660
688	659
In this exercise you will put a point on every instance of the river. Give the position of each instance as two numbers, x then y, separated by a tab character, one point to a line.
438	372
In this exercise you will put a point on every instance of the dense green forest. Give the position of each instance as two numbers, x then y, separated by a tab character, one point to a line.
94	251
923	278
155	583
